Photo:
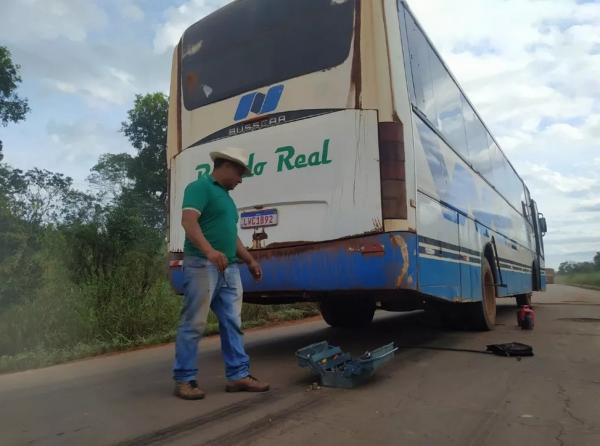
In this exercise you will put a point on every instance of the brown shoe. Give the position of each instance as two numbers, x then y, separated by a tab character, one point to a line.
188	390
247	384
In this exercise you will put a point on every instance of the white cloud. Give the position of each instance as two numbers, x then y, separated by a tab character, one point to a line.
130	10
80	142
532	67
571	203
89	49
32	20
107	86
559	182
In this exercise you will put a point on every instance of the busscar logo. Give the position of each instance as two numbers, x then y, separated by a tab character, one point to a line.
257	125
258	103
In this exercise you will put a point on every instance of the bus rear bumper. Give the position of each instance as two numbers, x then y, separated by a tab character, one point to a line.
384	262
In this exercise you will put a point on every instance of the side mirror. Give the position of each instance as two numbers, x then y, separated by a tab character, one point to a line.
543	226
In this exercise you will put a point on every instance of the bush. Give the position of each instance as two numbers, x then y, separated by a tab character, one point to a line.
589	279
128	304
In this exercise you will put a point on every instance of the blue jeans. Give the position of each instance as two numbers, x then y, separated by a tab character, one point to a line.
205	287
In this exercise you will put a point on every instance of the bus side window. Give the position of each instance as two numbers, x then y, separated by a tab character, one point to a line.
421	72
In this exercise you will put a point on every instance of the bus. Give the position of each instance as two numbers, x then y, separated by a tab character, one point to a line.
374	182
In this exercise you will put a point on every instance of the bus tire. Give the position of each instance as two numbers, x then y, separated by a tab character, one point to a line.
483	313
348	312
523	299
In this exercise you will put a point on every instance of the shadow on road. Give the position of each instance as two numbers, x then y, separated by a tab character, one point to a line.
408	329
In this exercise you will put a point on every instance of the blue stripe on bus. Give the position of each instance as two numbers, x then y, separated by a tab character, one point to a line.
452	281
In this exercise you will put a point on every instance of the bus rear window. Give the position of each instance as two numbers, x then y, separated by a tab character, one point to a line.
249	44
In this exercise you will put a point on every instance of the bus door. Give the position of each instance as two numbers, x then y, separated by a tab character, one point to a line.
539	229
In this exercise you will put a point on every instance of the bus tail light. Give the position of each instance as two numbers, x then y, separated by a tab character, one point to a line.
391	165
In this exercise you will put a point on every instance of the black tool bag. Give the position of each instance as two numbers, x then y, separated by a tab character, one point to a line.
510	349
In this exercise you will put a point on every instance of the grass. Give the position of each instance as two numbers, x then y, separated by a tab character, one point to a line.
43	356
591	279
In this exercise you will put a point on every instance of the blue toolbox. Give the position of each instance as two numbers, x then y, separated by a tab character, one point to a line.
338	369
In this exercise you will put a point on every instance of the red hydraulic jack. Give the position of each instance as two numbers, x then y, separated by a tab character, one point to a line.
526	317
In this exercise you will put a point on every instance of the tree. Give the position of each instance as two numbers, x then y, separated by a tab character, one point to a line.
145	192
39	197
146	128
110	175
12	107
597	260
565	267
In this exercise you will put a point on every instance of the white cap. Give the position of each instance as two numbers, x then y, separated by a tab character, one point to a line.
233	154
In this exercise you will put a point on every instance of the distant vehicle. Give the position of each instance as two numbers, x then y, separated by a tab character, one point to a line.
375	184
549	275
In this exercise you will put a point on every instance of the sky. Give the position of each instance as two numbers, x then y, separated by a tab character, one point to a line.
530	67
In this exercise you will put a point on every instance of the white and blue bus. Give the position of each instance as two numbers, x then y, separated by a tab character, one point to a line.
375	183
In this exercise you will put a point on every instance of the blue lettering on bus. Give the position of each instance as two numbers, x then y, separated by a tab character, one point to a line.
258	103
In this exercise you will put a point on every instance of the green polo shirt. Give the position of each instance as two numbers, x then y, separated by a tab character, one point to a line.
218	216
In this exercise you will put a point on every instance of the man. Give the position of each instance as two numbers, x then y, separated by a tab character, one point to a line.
212	278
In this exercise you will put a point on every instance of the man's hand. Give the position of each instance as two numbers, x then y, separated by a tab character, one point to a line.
218	259
255	270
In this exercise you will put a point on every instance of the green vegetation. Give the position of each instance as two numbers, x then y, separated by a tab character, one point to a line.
591	279
580	273
84	273
12	107
63	339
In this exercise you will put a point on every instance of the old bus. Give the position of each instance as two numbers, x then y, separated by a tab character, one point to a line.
375	183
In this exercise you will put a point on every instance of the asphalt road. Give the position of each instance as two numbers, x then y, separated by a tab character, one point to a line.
422	397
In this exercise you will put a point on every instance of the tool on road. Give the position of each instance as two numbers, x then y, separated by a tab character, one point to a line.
526	317
337	368
511	349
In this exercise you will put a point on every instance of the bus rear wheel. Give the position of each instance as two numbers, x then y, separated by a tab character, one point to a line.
483	314
347	312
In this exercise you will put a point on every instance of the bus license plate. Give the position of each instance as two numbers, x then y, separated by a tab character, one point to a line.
257	219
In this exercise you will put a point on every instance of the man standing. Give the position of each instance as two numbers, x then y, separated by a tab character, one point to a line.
212	278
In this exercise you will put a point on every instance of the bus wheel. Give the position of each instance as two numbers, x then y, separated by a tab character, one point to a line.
483	314
347	312
523	299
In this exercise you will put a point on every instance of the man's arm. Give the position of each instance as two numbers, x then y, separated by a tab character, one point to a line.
253	265
189	221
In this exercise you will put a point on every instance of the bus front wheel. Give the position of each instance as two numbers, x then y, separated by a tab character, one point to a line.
347	312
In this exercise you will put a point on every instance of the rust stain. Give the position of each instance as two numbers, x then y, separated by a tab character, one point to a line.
356	76
399	242
373	249
392	170
179	98
350	245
